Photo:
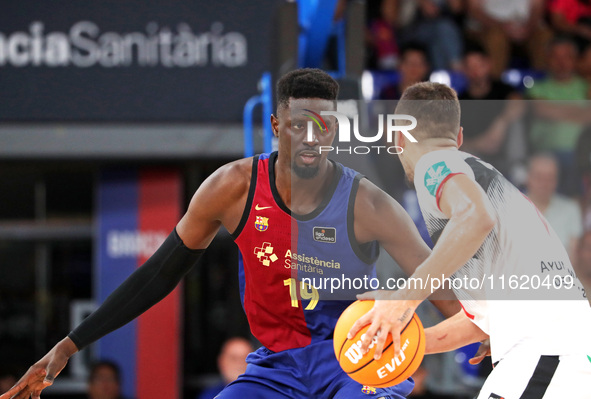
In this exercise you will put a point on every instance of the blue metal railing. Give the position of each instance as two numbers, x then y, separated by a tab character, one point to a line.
315	18
265	98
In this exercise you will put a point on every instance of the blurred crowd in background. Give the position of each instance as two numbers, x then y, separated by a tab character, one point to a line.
522	70
503	50
515	33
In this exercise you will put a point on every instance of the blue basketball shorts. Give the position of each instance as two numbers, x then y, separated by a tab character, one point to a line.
308	372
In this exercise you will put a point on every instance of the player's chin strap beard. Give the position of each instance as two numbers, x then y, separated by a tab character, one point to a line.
305	172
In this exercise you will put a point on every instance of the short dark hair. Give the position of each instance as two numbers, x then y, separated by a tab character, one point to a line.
475	48
563	39
416	47
104	363
306	83
436	108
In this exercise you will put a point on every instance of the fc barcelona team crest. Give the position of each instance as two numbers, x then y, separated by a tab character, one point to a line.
368	390
261	223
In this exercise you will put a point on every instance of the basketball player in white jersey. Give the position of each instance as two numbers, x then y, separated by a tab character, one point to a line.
508	267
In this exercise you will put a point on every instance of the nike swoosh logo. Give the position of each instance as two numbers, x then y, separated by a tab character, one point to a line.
260	208
589	357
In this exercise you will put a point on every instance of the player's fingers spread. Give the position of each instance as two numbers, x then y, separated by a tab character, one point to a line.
359	324
368	337
39	372
40	376
380	343
49	377
396	342
19	386
35	374
24	394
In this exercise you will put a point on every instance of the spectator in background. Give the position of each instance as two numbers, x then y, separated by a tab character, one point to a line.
486	123
572	17
583	263
562	213
584	64
434	27
104	381
398	23
414	67
231	363
559	125
583	166
381	34
501	25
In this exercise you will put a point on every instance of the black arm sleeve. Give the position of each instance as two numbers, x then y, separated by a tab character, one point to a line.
145	287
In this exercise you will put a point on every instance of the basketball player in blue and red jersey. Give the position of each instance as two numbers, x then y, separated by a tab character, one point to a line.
293	214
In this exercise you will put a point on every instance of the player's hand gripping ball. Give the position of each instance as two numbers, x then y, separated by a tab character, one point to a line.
388	370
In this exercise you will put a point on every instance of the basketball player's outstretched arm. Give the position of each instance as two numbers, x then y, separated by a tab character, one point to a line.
219	200
471	219
453	333
379	217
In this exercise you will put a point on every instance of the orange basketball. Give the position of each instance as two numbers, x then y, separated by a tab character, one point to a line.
388	370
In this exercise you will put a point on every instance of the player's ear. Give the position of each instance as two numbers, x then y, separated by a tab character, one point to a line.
399	139
460	138
275	125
